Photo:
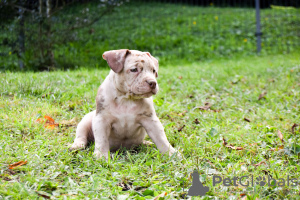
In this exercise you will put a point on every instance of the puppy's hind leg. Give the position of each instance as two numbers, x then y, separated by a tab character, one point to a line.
84	133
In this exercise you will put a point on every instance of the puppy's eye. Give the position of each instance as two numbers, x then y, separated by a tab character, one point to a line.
134	70
154	71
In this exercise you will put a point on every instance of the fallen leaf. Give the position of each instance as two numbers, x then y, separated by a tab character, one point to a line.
247	120
293	127
180	77
48	122
196	121
180	129
262	95
205	107
230	146
260	163
49	119
280	136
124	186
17	164
267	173
161	195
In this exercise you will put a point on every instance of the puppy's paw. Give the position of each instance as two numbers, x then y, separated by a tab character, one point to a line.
175	153
178	154
147	143
99	155
77	146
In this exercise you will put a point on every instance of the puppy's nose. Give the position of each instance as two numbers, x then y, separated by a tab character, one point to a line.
152	84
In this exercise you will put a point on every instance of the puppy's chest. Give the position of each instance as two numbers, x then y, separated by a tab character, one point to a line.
125	119
125	126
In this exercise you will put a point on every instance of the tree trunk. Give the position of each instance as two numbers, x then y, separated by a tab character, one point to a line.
21	38
41	45
50	55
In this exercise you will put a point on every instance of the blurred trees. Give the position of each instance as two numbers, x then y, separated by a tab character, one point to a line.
35	27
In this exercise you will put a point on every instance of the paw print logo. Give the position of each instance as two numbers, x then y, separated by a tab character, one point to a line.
261	181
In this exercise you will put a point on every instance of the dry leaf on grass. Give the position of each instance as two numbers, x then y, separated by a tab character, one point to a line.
262	95
196	121
260	163
180	129
268	173
230	146
247	120
293	128
17	164
205	107
48	122
280	136
124	186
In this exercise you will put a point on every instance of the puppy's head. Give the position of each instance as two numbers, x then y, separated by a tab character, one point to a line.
135	72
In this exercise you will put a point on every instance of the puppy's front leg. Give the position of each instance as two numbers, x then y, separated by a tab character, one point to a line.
156	132
101	130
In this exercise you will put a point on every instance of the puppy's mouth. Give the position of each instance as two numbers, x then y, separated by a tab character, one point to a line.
141	96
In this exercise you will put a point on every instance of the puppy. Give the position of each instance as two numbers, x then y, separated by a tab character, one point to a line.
125	111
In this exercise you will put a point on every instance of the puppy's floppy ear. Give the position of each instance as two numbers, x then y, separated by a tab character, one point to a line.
155	61
116	59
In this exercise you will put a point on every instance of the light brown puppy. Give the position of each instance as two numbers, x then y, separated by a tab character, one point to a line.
125	111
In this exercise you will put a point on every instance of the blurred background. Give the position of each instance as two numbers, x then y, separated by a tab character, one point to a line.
40	35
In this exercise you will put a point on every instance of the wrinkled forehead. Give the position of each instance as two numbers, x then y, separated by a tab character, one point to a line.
138	58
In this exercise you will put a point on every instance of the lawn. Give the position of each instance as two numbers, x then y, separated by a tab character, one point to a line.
173	32
248	101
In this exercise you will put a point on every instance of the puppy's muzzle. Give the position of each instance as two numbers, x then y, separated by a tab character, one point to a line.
152	84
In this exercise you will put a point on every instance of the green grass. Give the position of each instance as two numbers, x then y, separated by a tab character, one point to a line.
173	32
232	87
